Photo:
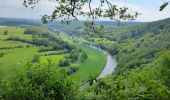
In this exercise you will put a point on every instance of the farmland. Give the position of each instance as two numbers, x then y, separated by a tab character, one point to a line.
18	49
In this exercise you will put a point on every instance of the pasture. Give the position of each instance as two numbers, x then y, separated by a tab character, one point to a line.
16	58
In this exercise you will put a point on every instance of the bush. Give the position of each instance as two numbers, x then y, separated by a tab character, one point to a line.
72	70
165	70
84	56
39	83
64	63
1	55
36	58
74	56
6	32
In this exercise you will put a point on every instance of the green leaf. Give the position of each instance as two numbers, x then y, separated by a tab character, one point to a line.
163	6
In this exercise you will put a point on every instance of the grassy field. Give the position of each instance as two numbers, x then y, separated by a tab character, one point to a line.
18	57
54	58
15	59
13	31
92	66
6	43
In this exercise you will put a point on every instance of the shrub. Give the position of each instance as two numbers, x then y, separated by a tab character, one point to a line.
39	83
6	32
84	56
72	70
36	58
64	63
1	55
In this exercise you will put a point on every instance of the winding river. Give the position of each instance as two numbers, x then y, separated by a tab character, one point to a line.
110	65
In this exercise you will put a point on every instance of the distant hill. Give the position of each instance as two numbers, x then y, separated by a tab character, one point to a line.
57	25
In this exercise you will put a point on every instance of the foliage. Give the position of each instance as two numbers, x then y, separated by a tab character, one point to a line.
6	32
166	68
67	10
39	82
164	5
143	63
72	69
44	38
137	85
84	56
1	54
64	63
36	58
74	56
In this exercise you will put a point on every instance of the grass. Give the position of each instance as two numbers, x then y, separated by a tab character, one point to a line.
13	31
15	58
6	43
54	58
92	66
18	57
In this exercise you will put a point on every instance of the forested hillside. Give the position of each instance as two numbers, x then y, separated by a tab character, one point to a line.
143	53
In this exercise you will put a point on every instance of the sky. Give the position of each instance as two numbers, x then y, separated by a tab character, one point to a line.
149	9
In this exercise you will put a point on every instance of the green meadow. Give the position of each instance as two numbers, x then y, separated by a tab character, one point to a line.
16	58
91	67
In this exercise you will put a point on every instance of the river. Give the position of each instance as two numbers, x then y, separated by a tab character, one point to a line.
110	64
109	67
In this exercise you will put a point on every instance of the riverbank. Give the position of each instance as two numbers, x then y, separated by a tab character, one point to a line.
109	67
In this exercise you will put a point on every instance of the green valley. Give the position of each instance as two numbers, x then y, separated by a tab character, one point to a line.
84	50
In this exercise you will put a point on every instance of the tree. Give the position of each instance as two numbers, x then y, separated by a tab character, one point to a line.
70	9
36	58
38	83
166	68
74	56
6	32
83	56
64	63
164	5
1	55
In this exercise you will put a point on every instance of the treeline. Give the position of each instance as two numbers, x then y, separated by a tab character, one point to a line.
44	38
19	46
75	56
59	52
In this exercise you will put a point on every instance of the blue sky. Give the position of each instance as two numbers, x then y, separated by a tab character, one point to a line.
148	8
